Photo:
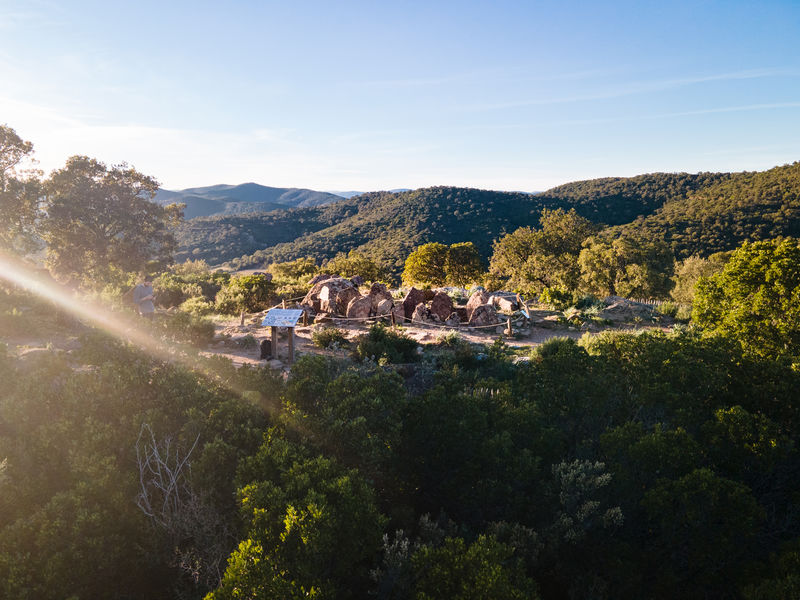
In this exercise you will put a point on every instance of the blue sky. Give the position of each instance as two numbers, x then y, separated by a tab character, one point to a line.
379	95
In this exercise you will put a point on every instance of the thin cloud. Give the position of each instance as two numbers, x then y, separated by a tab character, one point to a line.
636	88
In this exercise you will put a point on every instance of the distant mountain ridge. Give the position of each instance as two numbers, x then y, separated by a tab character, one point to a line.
243	198
697	213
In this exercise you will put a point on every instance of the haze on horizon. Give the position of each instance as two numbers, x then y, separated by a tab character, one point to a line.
365	96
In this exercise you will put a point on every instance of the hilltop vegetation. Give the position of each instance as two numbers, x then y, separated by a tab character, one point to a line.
243	198
695	214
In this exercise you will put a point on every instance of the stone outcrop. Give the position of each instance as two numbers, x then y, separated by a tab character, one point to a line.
422	314
399	313
482	315
412	299
621	309
359	307
453	320
384	308
321	277
378	293
504	301
441	306
331	295
358	280
478	298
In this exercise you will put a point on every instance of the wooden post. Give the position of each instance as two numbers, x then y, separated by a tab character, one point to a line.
241	319
283	302
509	331
274	339
394	320
291	345
305	319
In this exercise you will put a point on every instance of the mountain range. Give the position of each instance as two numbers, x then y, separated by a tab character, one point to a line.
243	198
697	213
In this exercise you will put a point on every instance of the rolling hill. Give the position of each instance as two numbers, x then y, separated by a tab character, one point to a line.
243	198
696	213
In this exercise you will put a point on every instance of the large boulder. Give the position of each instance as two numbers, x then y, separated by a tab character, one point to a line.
422	315
412	299
621	309
453	320
359	307
441	306
357	280
318	278
478	298
504	301
384	307
483	315
399	313
332	295
379	293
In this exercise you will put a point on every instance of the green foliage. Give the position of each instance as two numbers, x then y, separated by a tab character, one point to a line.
187	327
197	306
101	218
689	271
755	299
426	265
631	266
556	298
354	263
463	264
533	259
19	194
250	293
299	269
327	337
384	344
483	569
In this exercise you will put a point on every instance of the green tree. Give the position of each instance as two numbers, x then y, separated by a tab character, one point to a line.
249	293
755	299
101	220
463	264
354	263
19	193
689	271
484	569
532	259
627	265
426	265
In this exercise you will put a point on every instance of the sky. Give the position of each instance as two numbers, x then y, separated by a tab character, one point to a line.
373	95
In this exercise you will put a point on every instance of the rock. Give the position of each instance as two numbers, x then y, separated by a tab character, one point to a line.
500	329
412	299
384	308
399	314
621	309
322	318
441	306
453	320
482	315
332	295
421	315
478	298
359	307
319	278
275	364
429	294
462	313
358	280
378	293
504	302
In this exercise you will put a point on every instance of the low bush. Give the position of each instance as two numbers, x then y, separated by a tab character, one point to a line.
384	344
328	337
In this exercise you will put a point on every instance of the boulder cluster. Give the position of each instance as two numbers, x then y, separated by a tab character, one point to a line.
332	296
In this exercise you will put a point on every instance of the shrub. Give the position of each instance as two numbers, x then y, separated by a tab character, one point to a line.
383	343
190	328
250	293
329	336
556	298
197	306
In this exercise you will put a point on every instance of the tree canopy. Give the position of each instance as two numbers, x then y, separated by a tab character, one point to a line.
101	219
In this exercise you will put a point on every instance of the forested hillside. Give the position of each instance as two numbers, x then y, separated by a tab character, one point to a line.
243	198
745	206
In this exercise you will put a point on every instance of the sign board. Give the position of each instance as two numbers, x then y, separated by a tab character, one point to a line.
282	317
